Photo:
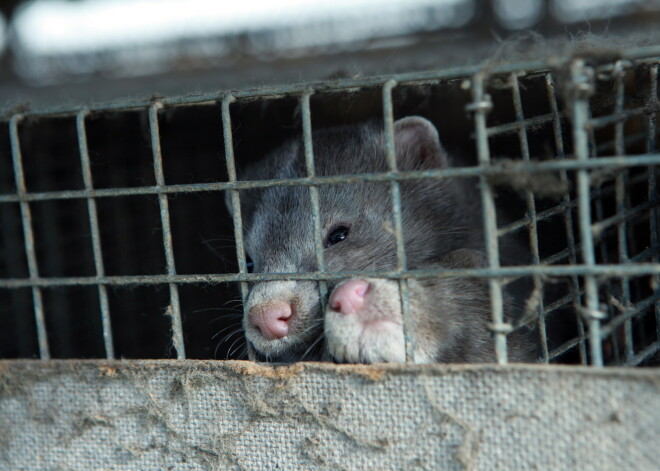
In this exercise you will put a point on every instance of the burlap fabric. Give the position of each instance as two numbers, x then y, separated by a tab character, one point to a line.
191	415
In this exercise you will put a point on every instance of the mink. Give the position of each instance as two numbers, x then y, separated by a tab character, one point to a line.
442	227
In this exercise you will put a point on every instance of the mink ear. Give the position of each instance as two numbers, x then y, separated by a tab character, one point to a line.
418	144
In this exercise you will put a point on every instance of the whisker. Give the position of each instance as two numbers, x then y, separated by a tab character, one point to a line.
243	354
231	353
233	318
235	300
214	251
232	345
207	309
218	239
309	349
313	326
234	332
237	306
216	247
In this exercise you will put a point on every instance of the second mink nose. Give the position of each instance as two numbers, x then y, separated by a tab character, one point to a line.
348	298
272	319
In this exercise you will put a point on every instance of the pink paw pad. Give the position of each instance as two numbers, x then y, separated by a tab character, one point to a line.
348	298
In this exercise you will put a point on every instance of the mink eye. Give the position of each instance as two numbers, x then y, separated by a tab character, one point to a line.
336	235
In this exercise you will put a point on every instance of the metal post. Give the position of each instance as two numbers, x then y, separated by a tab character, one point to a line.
96	235
653	190
28	235
480	106
313	194
234	196
174	309
531	212
395	191
568	217
582	83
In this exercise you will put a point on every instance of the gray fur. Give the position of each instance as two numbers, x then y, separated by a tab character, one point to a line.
439	217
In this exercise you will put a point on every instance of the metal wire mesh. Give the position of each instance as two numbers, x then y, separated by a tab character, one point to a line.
599	118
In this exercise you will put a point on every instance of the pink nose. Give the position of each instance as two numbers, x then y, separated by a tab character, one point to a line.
272	319
348	298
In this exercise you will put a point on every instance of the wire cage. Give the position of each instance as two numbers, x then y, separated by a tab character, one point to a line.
116	246
110	213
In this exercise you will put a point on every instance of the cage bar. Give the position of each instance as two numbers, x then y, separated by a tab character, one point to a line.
395	191
568	204
313	193
596	195
612	163
646	353
568	346
601	270
626	215
629	139
525	221
480	106
630	313
174	309
518	125
641	54
564	301
28	235
652	190
649	253
96	235
531	212
622	115
625	218
581	77
234	196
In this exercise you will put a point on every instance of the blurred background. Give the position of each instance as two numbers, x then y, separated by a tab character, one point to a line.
58	51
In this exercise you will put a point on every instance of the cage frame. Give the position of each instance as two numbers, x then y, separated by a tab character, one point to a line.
582	73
